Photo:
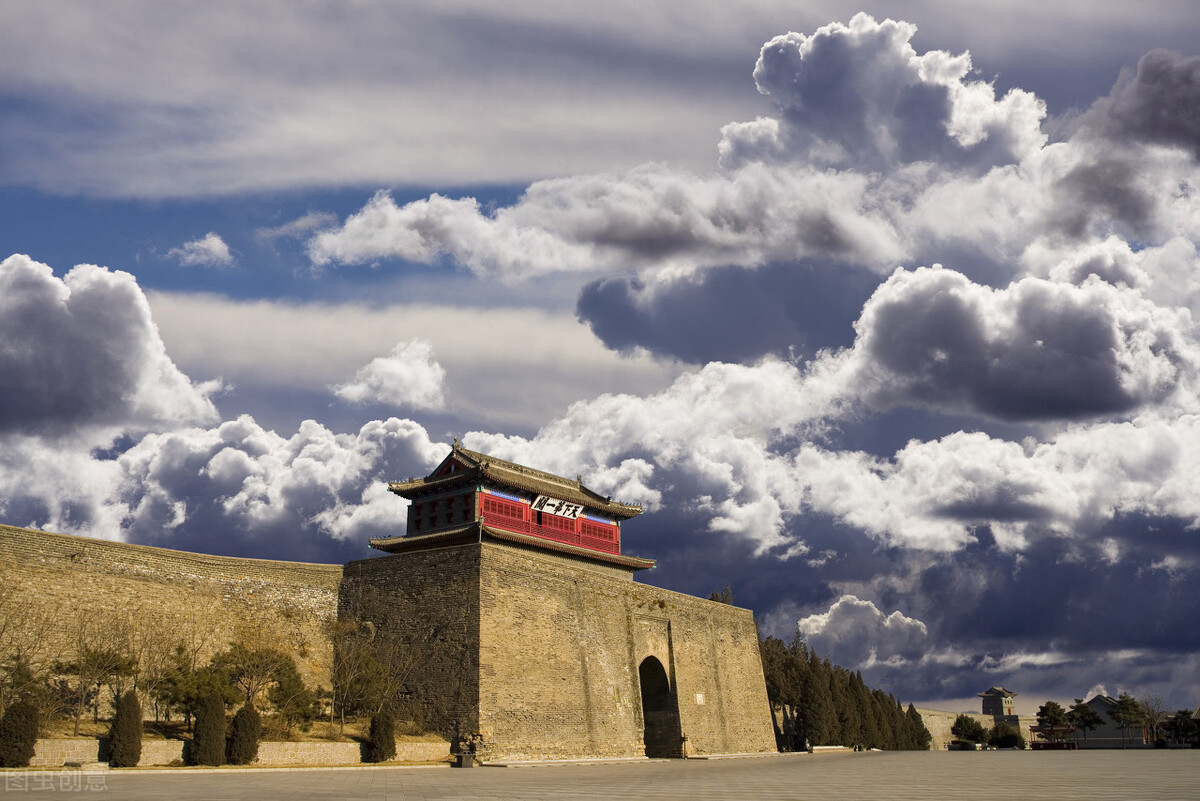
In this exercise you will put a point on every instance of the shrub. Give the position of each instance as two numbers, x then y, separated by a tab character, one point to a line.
125	735
382	743
208	738
1005	736
968	728
18	734
244	734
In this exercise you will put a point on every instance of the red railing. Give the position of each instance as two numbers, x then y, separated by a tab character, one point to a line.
507	523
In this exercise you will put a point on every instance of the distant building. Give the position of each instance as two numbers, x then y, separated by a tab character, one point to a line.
997	701
1109	734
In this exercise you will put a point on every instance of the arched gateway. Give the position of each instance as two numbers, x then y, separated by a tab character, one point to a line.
660	711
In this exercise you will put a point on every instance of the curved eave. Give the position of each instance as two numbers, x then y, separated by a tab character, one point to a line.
559	488
473	532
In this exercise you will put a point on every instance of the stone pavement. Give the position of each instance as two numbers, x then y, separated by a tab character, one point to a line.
978	776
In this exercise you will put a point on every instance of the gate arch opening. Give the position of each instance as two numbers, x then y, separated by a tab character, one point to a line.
663	733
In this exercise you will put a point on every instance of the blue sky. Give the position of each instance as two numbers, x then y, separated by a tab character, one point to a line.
887	319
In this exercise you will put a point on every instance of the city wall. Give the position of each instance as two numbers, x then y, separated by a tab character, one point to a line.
939	723
64	591
560	650
533	654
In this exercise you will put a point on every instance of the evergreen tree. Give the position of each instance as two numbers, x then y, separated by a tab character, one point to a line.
295	703
1126	714
848	728
1083	717
816	715
125	734
921	738
244	734
1003	735
381	745
208	739
968	728
868	726
18	734
1053	716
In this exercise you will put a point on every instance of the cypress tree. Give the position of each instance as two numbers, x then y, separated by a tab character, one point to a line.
125	734
244	734
208	736
382	743
816	708
921	736
18	735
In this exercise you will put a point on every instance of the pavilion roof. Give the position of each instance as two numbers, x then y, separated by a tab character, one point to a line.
472	466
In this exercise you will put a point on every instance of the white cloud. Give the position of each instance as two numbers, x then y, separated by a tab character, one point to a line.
309	346
1033	350
238	481
860	94
408	376
208	251
83	352
299	227
857	634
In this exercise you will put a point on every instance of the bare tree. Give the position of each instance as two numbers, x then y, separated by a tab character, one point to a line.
26	628
1154	713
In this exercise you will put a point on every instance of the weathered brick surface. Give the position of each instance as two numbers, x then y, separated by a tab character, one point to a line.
560	648
429	601
174	594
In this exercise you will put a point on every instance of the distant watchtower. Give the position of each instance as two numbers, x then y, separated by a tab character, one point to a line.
997	701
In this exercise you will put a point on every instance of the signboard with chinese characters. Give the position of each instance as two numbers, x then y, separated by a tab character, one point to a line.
553	506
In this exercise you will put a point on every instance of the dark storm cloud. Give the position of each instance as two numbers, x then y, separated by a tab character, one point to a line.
1158	104
1103	195
1034	621
83	351
729	313
1036	350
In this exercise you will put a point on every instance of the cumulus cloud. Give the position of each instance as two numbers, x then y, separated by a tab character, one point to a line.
408	376
82	351
856	633
859	94
1153	104
1035	350
208	251
236	487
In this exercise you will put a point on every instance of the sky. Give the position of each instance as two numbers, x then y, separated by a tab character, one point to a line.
885	312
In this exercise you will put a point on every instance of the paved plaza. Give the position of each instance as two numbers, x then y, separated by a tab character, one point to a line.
895	776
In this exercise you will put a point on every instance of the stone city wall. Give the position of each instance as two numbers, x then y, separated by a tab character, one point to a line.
536	652
67	590
421	612
939	723
560	648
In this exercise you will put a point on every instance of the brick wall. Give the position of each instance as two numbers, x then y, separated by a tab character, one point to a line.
427	602
538	652
164	596
560	647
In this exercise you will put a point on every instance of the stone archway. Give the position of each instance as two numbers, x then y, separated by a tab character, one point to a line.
663	734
